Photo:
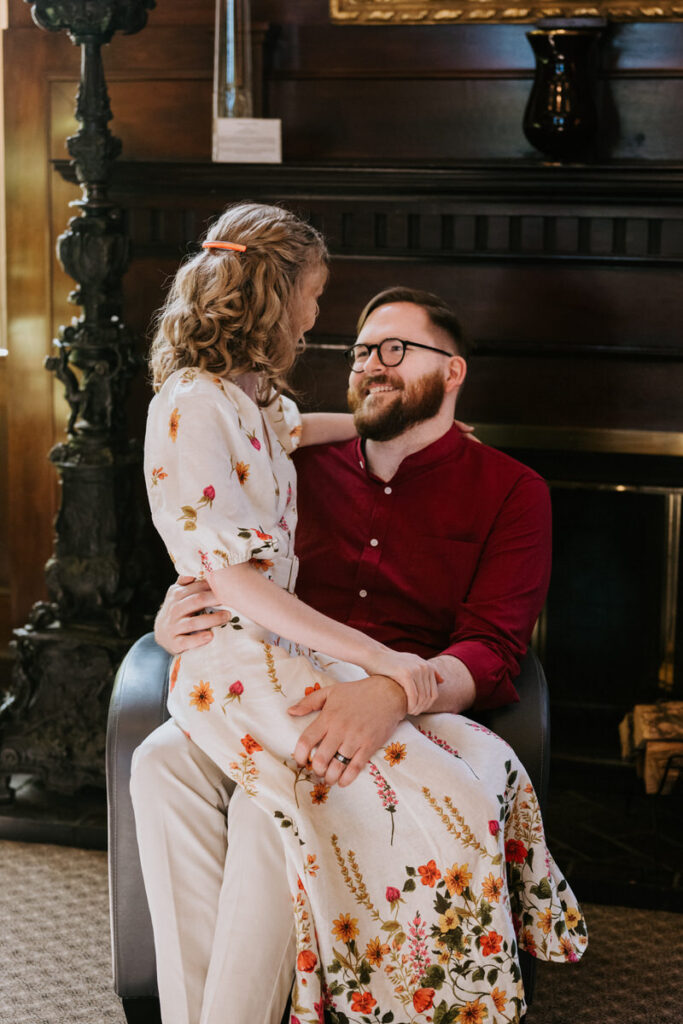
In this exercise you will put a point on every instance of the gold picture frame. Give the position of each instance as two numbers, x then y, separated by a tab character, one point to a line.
441	12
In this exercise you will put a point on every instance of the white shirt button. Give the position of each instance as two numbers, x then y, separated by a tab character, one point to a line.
362	593
387	490
374	542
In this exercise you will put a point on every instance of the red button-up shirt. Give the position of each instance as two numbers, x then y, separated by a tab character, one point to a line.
451	556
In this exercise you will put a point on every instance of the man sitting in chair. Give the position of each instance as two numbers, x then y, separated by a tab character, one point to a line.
411	533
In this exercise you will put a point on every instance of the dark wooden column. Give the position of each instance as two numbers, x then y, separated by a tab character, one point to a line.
52	723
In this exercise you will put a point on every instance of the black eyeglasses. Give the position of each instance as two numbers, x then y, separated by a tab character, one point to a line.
390	352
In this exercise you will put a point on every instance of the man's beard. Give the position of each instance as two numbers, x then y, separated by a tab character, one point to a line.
413	403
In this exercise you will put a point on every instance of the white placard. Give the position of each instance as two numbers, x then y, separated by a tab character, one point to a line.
247	140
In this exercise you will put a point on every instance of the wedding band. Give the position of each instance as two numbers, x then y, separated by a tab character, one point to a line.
344	760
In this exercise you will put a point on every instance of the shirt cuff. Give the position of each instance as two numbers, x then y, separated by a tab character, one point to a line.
492	675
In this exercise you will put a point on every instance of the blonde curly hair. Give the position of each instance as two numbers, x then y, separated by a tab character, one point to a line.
229	312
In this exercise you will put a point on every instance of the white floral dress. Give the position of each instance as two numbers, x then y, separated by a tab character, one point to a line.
413	888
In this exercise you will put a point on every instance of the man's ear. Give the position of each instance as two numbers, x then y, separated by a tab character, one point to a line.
457	371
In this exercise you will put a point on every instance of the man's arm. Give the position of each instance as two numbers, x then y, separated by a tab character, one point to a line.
493	625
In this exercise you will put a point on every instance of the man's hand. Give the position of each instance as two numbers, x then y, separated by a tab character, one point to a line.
467	429
182	622
355	719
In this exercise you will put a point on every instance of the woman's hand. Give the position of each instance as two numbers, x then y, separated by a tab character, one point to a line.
416	677
183	621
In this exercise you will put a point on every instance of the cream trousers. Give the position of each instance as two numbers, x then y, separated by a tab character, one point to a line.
221	910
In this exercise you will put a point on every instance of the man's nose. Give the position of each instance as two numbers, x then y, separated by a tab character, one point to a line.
373	362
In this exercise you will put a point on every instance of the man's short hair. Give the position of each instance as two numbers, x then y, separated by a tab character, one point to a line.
438	311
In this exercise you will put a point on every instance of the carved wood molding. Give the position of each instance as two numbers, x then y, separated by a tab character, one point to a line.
608	214
436	12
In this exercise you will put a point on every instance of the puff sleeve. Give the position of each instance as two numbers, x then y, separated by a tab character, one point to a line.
207	471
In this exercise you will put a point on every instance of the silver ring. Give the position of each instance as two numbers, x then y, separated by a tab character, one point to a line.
344	760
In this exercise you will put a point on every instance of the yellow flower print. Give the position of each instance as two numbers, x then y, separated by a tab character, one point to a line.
375	951
319	793
345	928
201	697
498	998
571	917
491	888
296	432
544	921
472	1013
241	469
395	753
173	424
457	879
448	921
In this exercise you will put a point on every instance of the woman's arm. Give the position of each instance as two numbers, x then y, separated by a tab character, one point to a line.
326	427
243	588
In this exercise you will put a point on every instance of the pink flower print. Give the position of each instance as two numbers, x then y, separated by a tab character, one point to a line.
209	493
419	953
254	441
289	496
204	559
494	827
284	525
235	691
392	894
386	795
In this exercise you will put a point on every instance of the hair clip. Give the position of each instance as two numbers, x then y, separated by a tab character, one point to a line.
235	246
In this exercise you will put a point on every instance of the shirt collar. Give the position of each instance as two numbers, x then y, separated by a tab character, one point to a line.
448	444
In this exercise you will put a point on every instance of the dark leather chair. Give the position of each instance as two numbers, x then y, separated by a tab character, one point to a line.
138	705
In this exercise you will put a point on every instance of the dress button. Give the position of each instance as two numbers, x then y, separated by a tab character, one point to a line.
362	593
374	542
387	490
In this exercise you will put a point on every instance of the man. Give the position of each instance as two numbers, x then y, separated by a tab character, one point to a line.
411	533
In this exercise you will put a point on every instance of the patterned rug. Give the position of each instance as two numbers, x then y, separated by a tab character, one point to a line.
55	967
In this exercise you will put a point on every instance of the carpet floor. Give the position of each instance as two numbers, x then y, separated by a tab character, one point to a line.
55	967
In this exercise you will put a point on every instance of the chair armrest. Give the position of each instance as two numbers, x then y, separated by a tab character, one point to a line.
526	725
137	707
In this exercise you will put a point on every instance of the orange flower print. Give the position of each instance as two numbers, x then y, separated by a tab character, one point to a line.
201	697
430	874
375	951
319	793
498	998
173	424
296	432
263	564
527	942
423	999
263	536
568	950
544	920
157	475
174	675
241	469
306	961
311	689
491	943
345	928
491	888
310	867
250	744
457	879
362	1002
472	1013
394	753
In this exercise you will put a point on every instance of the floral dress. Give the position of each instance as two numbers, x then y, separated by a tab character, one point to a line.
413	888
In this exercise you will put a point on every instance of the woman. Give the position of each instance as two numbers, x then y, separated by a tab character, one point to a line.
402	908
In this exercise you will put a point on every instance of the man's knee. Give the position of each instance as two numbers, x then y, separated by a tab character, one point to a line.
167	760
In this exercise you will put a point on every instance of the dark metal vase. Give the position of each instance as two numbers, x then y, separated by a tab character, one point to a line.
560	118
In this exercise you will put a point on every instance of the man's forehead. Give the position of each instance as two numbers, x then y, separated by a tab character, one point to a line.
399	320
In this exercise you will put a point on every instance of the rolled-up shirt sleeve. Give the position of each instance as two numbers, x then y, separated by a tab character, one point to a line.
493	625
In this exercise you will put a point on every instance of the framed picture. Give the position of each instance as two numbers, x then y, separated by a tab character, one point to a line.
438	12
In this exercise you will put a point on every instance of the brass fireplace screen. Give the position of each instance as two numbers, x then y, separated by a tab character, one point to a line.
437	12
